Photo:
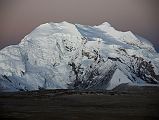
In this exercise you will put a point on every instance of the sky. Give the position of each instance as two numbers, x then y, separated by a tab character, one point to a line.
19	17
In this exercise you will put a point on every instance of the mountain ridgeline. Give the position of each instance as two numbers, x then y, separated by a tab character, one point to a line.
73	56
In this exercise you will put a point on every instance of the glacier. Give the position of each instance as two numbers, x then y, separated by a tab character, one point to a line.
73	56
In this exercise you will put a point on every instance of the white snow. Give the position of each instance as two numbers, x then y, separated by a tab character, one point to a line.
45	57
117	79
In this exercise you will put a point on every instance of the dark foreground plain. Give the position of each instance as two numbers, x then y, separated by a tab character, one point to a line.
119	104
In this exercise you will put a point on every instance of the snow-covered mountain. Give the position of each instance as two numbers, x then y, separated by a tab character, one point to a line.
68	56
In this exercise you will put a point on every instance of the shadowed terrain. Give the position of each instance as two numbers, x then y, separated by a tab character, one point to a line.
133	104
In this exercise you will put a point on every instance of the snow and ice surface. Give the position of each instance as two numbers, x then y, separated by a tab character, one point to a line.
67	56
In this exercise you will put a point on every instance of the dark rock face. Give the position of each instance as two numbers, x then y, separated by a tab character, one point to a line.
144	70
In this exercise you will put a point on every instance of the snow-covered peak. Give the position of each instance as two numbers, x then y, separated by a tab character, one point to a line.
53	28
64	55
103	25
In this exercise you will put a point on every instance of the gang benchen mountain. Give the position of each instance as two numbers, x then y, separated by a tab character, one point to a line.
67	56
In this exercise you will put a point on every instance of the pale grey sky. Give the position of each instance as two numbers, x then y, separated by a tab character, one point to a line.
20	17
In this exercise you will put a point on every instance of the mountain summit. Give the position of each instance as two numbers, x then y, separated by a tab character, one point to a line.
73	56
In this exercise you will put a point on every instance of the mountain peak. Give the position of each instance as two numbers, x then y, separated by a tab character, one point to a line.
105	24
66	23
64	55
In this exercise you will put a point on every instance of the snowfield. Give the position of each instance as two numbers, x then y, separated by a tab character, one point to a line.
67	56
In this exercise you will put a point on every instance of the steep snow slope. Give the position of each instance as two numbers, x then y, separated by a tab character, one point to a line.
64	55
117	79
